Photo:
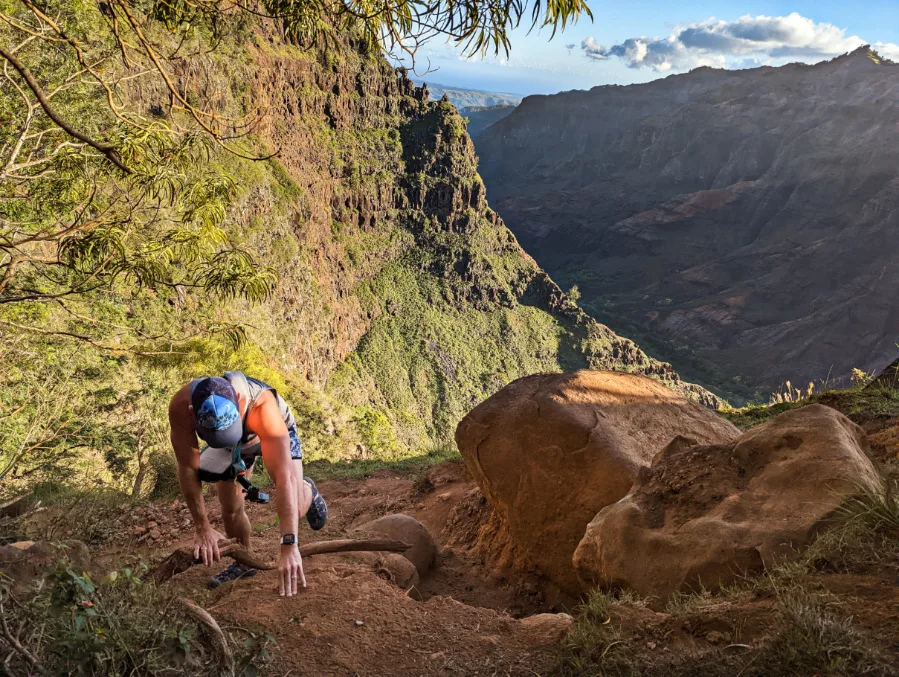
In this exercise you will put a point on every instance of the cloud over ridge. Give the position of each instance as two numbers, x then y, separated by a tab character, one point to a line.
729	43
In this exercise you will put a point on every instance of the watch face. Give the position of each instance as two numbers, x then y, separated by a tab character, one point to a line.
288	539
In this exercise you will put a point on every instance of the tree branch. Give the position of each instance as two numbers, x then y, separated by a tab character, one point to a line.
109	152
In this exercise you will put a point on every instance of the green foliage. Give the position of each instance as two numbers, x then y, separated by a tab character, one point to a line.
859	405
409	465
475	25
119	626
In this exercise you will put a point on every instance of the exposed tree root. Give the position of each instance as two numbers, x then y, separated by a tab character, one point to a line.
183	559
215	632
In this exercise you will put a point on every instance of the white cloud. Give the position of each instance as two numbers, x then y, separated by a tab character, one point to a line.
748	40
887	50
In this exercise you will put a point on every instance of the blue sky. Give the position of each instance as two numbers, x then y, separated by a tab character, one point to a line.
643	40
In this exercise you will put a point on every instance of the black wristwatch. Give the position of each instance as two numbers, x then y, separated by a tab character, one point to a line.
288	539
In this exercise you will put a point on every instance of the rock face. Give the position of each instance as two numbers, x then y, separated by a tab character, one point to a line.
708	514
423	552
741	223
549	451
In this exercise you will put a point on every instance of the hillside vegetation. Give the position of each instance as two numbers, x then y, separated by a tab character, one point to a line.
354	264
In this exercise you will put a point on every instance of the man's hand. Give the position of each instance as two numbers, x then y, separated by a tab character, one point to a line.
290	570
206	544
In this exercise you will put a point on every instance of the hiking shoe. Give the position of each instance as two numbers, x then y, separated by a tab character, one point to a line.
232	573
317	515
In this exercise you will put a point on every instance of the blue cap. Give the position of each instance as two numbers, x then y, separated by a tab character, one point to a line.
216	413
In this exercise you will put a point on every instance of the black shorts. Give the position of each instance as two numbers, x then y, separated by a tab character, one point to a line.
296	449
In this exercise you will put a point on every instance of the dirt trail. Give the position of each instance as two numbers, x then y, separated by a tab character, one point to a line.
350	620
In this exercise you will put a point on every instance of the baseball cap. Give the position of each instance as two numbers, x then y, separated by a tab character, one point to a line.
216	412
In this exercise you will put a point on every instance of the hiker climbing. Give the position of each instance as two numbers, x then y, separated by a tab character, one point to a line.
240	418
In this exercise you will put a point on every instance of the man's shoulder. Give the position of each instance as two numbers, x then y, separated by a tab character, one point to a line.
181	398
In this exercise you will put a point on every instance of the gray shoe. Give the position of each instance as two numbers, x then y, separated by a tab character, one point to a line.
317	515
232	573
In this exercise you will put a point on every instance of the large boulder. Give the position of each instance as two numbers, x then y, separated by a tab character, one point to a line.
423	553
706	515
550	451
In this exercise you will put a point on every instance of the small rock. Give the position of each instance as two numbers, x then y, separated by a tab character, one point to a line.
715	637
546	629
155	535
359	624
21	545
651	645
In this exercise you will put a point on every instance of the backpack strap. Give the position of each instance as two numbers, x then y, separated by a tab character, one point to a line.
239	381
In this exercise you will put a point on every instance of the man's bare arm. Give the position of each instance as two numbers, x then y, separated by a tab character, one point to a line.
266	421
187	454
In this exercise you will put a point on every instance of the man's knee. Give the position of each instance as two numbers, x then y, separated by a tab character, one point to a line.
232	503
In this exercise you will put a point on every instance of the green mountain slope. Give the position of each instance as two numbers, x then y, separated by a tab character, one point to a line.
402	300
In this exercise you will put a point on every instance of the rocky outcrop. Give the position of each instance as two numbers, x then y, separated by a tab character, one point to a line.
704	515
739	222
549	451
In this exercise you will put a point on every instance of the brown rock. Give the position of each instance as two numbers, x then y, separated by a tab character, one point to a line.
423	552
546	629
24	563
715	637
551	450
393	567
708	514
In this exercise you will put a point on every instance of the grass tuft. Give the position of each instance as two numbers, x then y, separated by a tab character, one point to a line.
328	470
816	639
865	532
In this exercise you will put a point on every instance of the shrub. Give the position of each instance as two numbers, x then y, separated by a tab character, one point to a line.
120	626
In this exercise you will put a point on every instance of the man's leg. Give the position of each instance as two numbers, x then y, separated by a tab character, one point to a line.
309	500
237	525
304	491
234	515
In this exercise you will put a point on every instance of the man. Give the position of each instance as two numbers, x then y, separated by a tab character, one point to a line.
240	413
